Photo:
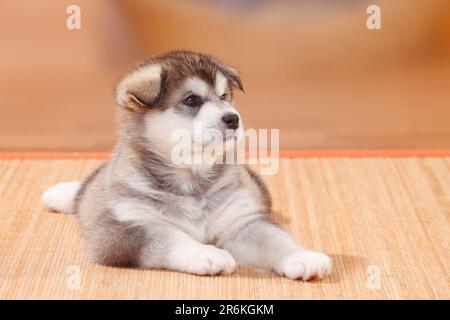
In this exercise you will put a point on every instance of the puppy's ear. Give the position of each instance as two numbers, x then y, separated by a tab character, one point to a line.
141	88
232	75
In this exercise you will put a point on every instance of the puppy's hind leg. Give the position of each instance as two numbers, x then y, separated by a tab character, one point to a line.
168	247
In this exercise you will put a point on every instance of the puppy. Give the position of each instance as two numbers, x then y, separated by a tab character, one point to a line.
139	209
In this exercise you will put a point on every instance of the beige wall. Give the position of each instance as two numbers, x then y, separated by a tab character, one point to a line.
314	72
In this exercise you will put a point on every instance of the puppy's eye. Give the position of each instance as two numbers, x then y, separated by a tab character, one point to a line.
193	101
224	96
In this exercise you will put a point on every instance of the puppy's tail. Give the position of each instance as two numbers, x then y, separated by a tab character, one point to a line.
61	197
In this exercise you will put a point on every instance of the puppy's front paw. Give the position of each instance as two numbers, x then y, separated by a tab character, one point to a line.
210	260
305	265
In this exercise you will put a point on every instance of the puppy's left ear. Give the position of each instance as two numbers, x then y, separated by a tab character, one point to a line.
232	76
141	88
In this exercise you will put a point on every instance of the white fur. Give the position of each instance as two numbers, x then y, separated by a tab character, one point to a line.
304	264
206	124
221	83
238	210
160	127
204	130
197	86
61	196
134	211
139	213
191	256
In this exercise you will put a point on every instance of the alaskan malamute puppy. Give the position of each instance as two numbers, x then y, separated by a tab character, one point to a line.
140	209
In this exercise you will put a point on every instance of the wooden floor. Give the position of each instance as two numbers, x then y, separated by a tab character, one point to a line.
384	221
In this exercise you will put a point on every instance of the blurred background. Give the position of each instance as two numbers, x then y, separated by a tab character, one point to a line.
310	68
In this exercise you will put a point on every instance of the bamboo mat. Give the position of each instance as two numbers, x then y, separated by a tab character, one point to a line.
384	221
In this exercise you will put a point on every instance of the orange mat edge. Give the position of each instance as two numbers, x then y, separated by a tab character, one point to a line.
7	155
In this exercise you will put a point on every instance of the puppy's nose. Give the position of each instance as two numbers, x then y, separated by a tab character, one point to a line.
231	120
